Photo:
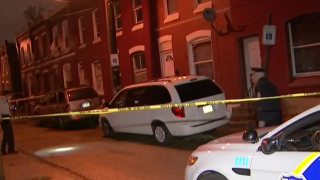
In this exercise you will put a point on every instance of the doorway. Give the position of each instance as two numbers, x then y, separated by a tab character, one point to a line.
252	57
167	63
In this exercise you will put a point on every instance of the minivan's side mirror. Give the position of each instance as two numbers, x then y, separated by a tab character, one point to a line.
106	104
269	145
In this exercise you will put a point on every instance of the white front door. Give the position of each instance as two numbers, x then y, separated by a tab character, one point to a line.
294	165
252	55
167	63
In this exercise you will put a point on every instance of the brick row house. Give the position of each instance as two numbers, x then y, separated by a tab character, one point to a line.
163	37
167	37
66	49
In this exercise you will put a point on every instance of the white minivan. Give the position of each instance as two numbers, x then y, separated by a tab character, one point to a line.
167	122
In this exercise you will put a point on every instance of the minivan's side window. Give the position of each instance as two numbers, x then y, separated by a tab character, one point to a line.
137	97
119	101
61	97
158	95
53	98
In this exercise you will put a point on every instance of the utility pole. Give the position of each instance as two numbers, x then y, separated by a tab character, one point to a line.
113	50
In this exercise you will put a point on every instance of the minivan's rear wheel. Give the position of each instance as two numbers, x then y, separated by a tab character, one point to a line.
161	133
106	128
39	121
63	124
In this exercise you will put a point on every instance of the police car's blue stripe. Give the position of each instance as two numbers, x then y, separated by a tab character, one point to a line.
313	171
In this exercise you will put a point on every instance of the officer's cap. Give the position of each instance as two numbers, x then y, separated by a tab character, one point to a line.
256	69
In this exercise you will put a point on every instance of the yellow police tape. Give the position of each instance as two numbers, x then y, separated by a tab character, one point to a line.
106	111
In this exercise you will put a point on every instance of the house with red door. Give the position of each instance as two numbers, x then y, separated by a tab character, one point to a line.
165	37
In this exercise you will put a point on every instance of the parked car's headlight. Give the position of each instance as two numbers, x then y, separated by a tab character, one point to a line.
192	160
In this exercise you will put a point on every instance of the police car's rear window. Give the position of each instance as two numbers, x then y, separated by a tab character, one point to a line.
197	89
83	93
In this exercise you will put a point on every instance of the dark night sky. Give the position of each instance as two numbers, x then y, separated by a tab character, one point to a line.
12	17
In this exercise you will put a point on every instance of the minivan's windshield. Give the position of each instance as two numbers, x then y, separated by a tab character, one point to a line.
82	93
197	89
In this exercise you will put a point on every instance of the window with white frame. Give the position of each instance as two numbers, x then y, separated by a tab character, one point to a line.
81	74
22	56
67	76
29	53
202	60
171	6
305	45
97	75
55	36
81	30
44	46
139	67
137	10
96	23
65	34
117	15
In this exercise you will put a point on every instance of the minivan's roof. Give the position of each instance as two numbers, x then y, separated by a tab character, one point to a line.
67	89
175	80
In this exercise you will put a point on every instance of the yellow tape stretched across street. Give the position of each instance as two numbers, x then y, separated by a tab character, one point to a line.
106	111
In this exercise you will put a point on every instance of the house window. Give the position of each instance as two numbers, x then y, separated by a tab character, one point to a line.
81	30
67	76
137	10
117	15
65	34
81	74
171	6
55	36
96	23
38	82
139	67
22	56
97	76
305	44
45	45
56	77
30	85
29	53
46	82
202	58
36	50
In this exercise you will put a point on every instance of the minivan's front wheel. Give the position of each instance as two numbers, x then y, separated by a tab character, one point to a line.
106	128
161	133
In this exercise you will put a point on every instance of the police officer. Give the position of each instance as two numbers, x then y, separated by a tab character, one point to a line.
8	138
268	112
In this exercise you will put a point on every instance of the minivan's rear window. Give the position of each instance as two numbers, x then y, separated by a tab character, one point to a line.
83	93
197	89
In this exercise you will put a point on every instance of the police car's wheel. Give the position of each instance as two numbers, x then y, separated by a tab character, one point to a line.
106	128
162	134
213	176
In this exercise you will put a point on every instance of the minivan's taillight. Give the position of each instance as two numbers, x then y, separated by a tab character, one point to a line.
68	108
178	111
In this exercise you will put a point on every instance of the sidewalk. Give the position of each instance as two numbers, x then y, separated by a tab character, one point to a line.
20	167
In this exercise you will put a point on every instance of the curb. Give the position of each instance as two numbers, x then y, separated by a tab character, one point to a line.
32	156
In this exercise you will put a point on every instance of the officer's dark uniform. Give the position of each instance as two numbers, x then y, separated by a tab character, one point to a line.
8	138
268	110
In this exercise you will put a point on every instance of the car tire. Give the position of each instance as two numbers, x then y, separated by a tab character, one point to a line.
213	176
106	128
162	134
63	124
39	121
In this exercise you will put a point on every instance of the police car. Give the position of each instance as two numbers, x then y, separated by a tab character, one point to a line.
290	151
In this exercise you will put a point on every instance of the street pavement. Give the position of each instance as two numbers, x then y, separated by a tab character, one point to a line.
21	167
88	155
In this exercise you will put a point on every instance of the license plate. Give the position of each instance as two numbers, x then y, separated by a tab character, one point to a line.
207	109
86	104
